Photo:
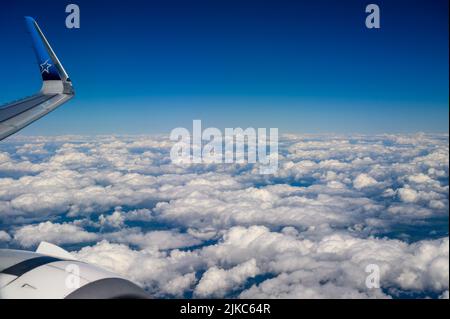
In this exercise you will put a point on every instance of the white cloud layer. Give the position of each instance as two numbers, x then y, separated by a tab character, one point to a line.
336	204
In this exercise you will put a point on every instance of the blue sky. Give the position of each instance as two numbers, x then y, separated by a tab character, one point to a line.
301	66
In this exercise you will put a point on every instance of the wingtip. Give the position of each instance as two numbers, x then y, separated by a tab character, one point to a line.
29	21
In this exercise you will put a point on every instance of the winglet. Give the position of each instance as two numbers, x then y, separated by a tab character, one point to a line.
48	249
50	67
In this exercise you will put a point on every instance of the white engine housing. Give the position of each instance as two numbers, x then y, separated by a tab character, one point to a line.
51	272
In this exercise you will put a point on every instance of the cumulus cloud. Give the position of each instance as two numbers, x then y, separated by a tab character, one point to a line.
31	235
335	205
4	236
364	180
162	273
115	220
408	195
217	282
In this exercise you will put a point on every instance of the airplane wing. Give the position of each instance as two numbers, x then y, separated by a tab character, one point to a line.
56	87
